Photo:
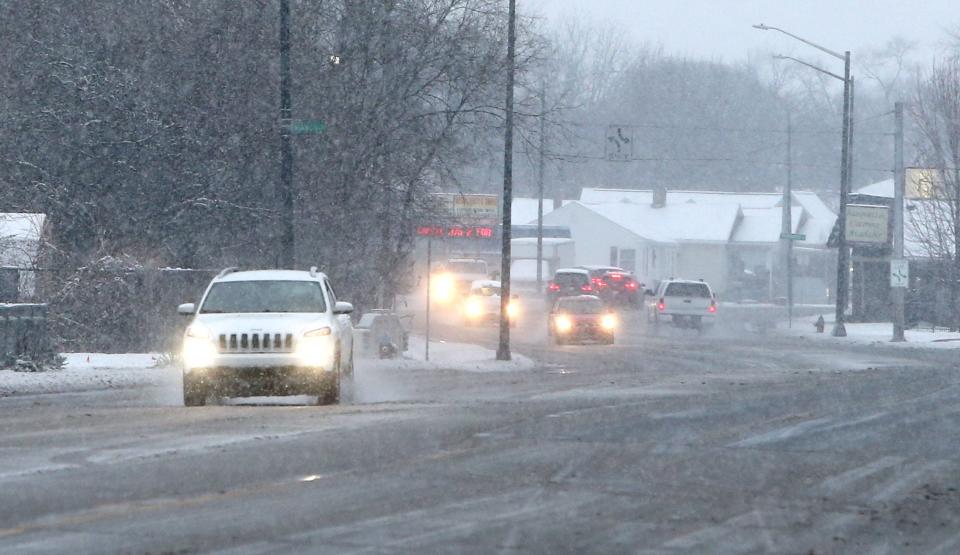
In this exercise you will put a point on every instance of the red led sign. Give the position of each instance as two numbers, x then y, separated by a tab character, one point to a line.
469	232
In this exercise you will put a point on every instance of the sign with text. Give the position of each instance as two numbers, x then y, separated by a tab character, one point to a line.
465	209
466	232
867	223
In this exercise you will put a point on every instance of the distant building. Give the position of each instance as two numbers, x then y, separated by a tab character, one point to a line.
21	235
731	240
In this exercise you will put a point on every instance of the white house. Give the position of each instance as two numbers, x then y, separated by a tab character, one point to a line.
724	238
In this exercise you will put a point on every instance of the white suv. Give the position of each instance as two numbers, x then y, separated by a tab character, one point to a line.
684	303
271	331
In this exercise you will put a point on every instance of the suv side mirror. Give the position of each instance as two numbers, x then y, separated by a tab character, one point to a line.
342	308
187	309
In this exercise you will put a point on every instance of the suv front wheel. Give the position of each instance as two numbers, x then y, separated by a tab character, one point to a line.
194	392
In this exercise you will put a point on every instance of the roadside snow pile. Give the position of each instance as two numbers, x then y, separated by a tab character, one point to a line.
87	371
876	332
464	357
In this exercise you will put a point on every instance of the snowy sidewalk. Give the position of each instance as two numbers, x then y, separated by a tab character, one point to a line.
88	371
874	333
464	357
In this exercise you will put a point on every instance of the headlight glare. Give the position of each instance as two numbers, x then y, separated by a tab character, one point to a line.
608	321
563	324
198	352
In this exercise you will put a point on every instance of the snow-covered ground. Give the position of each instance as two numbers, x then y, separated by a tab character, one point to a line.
874	332
95	371
86	371
463	356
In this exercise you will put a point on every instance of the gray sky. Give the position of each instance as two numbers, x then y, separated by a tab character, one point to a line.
721	28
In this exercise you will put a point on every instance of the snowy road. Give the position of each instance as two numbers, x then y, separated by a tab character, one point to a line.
664	445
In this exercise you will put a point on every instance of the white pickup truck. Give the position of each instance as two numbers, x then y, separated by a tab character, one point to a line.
683	303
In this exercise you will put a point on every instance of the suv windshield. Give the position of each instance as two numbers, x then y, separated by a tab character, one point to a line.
687	290
581	306
264	296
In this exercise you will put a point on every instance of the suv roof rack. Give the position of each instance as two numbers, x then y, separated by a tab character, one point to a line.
226	271
313	271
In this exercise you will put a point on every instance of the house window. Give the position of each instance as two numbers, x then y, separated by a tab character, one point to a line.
628	260
613	256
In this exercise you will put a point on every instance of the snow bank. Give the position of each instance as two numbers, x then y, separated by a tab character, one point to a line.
463	356
875	332
88	371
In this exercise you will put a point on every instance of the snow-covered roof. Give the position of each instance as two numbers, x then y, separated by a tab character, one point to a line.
481	283
269	275
546	241
684	222
882	189
762	225
815	220
21	226
572	271
524	210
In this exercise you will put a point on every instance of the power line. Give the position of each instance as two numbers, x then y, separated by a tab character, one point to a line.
808	131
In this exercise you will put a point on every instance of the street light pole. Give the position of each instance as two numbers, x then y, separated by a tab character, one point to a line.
285	191
503	349
898	191
541	167
843	254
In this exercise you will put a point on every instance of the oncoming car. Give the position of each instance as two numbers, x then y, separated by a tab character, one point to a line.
267	332
581	318
482	304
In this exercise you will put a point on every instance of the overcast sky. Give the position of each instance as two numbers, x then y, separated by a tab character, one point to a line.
721	28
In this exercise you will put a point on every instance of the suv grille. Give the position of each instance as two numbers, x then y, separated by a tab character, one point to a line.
255	343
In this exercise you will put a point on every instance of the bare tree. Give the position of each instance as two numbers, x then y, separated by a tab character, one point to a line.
936	111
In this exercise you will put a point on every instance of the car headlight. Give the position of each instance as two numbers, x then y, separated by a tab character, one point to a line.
198	331
319	332
198	352
474	308
563	324
513	310
608	322
315	348
442	288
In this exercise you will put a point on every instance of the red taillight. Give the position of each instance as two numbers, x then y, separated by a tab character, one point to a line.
616	277
631	285
553	287
713	307
598	283
661	306
586	288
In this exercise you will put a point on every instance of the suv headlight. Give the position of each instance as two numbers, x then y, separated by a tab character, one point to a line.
315	347
198	348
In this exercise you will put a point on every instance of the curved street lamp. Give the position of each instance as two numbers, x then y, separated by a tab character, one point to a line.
843	262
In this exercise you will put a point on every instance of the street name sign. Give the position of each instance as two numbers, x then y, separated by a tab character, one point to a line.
793	236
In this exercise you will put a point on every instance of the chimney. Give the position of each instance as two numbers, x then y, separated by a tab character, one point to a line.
659	197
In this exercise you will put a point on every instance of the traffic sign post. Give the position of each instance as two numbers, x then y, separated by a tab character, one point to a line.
900	273
619	143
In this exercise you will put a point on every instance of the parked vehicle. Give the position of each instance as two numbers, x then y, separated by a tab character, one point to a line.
581	318
482	304
568	282
267	332
682	303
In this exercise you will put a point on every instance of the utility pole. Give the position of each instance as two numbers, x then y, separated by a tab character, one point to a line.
898	293
503	349
426	349
286	148
540	178
843	255
786	224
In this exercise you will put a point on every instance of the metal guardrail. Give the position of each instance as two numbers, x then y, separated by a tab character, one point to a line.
23	330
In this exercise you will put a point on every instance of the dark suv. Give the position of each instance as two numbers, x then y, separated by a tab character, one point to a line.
569	282
616	286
